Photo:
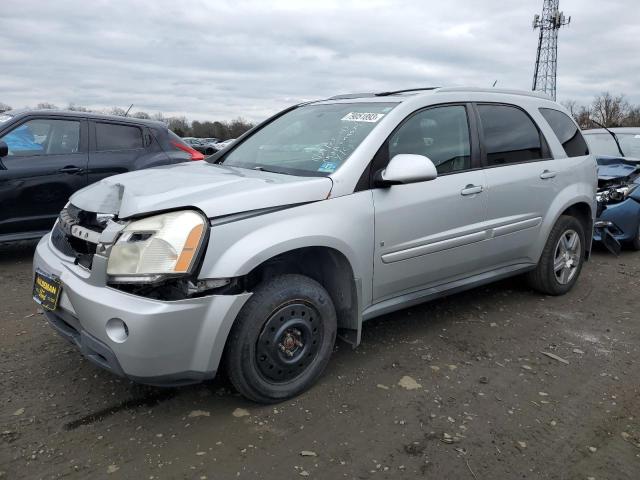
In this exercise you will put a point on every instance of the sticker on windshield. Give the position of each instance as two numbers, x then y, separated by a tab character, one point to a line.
328	167
362	117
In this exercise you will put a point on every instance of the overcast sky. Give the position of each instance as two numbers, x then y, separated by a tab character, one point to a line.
221	59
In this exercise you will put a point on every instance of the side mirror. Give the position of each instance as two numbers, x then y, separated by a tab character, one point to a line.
406	168
4	149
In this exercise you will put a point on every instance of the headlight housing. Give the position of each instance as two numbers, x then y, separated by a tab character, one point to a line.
155	247
615	194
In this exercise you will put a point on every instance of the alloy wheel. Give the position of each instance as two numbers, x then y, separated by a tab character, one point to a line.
567	257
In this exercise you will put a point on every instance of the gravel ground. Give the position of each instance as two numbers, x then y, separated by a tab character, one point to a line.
457	388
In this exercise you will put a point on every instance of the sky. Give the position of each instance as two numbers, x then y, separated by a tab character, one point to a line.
221	59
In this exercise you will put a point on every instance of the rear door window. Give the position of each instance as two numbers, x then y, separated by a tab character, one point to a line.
112	136
510	136
44	136
567	132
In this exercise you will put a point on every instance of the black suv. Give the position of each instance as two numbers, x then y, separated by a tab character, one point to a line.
46	155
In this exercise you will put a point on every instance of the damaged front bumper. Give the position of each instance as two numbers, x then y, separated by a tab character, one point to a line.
149	341
617	223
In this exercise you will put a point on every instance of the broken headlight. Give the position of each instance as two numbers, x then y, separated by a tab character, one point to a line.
615	194
156	247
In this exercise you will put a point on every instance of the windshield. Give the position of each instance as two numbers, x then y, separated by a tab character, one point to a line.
604	144
313	140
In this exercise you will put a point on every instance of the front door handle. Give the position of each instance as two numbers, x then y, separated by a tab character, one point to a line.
71	169
547	174
471	190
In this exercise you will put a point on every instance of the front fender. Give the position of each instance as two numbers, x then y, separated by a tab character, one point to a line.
344	224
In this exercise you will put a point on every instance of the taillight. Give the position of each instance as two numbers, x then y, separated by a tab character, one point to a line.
195	155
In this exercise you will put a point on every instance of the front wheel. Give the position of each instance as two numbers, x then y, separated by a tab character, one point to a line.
282	339
635	243
562	258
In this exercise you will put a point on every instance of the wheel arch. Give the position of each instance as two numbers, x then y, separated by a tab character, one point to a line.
572	201
582	211
329	267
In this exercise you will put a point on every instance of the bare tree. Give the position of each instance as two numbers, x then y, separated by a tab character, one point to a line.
4	107
117	111
609	110
570	105
632	119
583	117
46	106
142	115
77	108
180	126
238	126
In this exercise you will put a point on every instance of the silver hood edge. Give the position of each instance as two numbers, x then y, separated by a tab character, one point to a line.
215	190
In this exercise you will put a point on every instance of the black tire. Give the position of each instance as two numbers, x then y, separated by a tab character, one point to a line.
635	243
275	351
545	278
209	151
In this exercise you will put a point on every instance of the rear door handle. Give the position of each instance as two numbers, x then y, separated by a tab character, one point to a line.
471	190
70	169
547	174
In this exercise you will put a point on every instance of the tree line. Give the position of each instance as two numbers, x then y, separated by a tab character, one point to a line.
181	126
606	109
610	110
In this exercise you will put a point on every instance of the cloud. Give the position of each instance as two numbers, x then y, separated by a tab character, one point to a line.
225	59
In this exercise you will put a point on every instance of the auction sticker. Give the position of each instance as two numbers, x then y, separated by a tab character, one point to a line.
362	117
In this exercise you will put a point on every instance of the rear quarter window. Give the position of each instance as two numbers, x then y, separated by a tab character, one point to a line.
111	136
567	132
510	136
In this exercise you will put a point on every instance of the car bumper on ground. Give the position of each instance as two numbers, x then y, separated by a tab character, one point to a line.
163	343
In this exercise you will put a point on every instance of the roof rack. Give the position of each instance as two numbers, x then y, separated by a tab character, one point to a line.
393	92
525	93
352	95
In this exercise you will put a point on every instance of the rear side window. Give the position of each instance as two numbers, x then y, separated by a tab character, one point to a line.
510	136
567	132
110	136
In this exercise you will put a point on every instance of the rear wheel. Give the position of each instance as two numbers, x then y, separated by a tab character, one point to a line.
562	258
282	339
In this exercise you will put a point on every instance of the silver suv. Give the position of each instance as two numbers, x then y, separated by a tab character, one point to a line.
326	215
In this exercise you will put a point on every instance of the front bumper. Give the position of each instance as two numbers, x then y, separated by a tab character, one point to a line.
623	220
168	342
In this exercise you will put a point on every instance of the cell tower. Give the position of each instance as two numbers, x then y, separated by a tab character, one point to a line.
544	75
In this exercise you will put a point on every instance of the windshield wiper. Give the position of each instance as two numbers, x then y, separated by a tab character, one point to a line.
263	169
615	137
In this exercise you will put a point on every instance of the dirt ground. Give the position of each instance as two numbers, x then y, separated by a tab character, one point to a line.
455	389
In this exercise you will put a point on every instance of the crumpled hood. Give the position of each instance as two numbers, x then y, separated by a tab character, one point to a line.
215	189
612	169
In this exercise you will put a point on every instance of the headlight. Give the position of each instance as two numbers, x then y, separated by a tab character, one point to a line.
615	194
153	247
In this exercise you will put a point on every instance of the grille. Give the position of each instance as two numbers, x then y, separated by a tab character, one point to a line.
71	246
59	240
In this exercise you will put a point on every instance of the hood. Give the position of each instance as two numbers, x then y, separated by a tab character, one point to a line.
215	189
617	169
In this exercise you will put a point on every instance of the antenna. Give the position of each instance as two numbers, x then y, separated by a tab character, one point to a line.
128	110
544	74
